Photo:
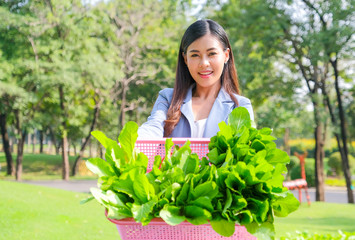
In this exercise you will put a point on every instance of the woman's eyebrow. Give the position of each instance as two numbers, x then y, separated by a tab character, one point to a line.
210	49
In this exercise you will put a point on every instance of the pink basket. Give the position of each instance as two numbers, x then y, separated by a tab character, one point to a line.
157	229
153	147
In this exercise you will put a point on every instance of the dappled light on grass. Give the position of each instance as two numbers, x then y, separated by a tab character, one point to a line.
33	212
320	218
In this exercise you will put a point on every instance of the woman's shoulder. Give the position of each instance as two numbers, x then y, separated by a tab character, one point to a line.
224	96
166	93
242	100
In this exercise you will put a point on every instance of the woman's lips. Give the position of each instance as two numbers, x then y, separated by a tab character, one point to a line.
205	74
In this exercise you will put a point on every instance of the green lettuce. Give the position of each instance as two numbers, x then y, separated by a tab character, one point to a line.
240	181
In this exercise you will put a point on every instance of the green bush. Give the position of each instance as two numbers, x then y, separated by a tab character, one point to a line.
309	169
301	148
335	163
329	151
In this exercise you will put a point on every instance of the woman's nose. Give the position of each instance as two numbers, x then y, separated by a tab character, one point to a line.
204	61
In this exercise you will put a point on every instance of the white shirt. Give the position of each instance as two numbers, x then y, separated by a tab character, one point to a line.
199	128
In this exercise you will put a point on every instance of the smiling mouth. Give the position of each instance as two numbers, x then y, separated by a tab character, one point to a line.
205	74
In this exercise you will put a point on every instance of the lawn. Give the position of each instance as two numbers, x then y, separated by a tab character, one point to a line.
30	212
320	217
35	212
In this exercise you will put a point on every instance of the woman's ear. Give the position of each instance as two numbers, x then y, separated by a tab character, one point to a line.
226	52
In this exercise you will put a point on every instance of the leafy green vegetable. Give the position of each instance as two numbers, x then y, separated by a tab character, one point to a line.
224	227
172	215
240	181
100	167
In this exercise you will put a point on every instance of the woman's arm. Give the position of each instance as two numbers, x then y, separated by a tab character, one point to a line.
154	126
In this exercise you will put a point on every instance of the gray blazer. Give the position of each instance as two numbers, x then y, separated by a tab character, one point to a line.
222	107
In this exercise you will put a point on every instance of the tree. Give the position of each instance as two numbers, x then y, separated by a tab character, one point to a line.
20	96
274	31
130	28
8	91
52	33
68	53
336	35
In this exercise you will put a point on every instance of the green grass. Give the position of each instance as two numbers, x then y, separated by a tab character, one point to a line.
29	212
338	182
36	212
41	167
320	217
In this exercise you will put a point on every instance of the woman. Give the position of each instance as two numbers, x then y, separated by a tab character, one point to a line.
206	87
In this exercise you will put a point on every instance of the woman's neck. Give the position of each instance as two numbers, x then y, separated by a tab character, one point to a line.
206	92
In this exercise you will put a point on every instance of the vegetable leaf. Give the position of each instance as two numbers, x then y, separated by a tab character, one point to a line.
223	227
127	139
239	117
100	167
172	215
284	205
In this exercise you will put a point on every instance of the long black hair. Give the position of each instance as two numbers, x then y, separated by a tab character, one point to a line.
183	79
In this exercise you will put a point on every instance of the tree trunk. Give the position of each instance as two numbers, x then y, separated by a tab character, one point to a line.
65	157
34	142
87	139
100	153
312	78
20	146
344	151
64	136
54	140
319	155
319	152
41	136
340	147
6	145
90	148
19	159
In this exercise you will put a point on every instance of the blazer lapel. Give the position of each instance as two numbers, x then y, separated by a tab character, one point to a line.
221	108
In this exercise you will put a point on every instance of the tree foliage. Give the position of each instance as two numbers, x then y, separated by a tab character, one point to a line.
297	41
64	61
69	66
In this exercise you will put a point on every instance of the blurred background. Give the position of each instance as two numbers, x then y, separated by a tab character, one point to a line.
68	67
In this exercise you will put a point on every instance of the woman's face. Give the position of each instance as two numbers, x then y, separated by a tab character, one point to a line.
205	58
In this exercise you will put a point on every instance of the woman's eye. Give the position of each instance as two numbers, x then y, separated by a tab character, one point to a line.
194	55
212	53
